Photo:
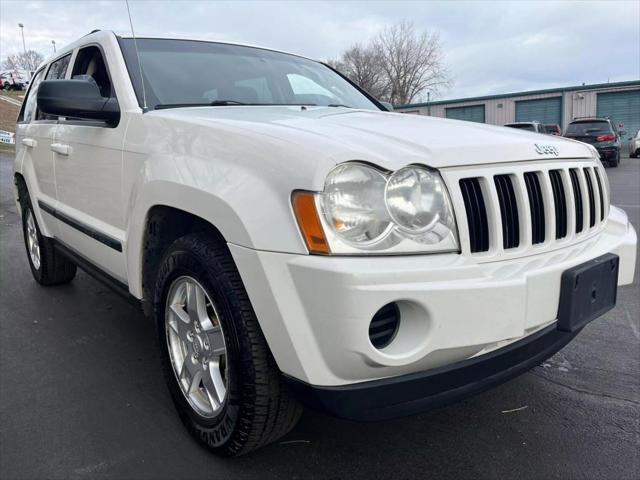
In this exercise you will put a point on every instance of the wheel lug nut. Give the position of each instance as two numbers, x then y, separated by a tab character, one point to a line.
206	344
190	335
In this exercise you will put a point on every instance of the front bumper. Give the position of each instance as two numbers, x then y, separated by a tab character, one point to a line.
417	392
315	310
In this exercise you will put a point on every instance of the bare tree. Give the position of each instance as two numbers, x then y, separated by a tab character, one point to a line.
28	60
398	66
413	62
363	65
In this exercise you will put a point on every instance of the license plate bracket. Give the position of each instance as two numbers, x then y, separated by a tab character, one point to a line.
587	291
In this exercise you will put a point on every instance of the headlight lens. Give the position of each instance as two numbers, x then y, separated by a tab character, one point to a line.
363	209
353	203
418	203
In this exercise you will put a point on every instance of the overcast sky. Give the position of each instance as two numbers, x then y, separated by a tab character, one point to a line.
491	47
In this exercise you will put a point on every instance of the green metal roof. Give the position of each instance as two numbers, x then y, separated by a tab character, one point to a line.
595	86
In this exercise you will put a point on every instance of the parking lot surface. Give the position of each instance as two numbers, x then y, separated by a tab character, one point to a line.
82	396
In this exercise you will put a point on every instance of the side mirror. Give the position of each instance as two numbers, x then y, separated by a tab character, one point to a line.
623	133
78	99
387	105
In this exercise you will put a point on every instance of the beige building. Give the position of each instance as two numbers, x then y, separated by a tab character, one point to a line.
619	101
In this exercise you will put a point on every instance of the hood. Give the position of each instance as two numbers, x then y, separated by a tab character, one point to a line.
390	140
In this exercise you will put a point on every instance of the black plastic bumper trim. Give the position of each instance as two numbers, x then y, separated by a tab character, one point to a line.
417	392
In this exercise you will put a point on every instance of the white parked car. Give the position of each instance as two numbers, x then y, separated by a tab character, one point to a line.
295	243
634	145
14	79
536	127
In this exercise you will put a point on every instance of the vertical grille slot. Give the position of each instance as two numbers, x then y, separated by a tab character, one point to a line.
476	214
536	204
577	196
600	193
508	211
592	200
559	202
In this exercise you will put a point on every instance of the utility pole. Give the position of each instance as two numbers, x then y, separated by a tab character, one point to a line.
24	46
429	102
53	42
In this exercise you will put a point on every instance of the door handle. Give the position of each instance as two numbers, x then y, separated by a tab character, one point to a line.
61	148
29	142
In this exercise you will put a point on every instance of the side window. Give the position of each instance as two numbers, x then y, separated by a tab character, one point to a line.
56	71
58	68
90	65
29	107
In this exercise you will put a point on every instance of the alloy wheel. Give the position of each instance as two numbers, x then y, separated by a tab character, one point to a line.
196	345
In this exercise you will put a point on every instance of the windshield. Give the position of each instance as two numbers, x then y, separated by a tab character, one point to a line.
522	126
187	72
585	129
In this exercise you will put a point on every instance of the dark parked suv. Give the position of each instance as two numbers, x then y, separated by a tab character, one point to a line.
602	133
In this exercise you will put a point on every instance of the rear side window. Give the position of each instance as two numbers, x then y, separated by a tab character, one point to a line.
587	129
90	65
58	68
29	107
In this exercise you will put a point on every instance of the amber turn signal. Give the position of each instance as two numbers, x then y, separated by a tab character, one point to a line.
304	207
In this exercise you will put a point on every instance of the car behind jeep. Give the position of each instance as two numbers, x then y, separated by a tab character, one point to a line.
602	133
295	243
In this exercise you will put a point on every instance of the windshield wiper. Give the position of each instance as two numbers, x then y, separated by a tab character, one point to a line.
215	103
339	105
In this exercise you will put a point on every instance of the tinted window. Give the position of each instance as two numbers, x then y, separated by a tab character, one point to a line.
29	107
522	126
90	65
590	128
190	72
58	68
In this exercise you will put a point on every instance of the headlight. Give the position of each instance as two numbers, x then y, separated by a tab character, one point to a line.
353	203
419	205
365	210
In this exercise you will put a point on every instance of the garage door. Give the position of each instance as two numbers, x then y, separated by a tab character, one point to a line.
623	108
472	113
544	110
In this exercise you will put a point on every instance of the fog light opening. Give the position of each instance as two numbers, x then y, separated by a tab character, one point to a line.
384	325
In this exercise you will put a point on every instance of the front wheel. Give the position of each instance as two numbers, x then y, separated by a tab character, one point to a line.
222	377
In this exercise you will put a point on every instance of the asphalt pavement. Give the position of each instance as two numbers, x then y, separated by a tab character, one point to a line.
82	396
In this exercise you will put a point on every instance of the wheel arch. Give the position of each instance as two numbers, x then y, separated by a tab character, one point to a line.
162	226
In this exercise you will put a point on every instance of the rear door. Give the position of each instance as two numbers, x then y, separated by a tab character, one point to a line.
89	176
36	132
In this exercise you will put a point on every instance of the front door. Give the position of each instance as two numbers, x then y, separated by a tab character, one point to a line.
88	167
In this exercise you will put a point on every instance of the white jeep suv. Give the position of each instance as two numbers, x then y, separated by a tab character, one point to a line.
295	242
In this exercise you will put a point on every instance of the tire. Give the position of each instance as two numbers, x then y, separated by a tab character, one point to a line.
256	408
616	161
633	154
48	266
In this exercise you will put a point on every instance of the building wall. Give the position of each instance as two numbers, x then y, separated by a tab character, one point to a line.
498	111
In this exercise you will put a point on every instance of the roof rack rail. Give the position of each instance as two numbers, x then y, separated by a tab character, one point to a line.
92	31
591	116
